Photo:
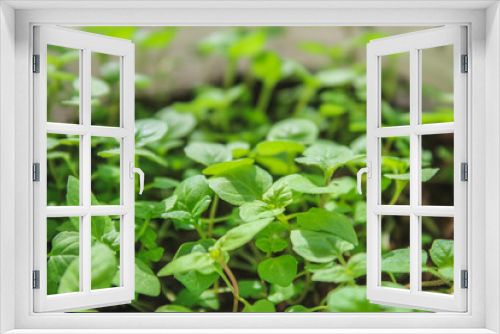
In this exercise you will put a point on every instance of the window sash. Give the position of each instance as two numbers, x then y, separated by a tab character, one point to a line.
86	43
412	43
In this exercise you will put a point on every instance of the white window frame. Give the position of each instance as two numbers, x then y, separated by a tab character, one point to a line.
413	44
85	43
484	104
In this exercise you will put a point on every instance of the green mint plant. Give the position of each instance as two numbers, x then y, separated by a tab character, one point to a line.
250	202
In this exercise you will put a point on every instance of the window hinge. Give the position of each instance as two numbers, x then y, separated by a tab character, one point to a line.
465	64
465	279
464	171
36	279
36	172
36	63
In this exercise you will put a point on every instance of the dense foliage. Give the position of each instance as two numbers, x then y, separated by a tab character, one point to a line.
250	201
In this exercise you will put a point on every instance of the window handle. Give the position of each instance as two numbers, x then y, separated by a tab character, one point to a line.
368	171
134	170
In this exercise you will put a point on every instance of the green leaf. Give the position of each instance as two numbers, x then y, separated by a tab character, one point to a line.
320	220
257	210
271	244
248	46
148	131
398	261
279	195
301	131
239	149
187	263
196	281
103	266
146	282
279	270
180	124
172	309
208	154
157	39
66	243
262	305
336	273
360	212
224	167
350	299
240	235
278	294
336	77
270	148
251	289
164	182
304	185
318	247
267	68
193	196
427	174
241	185
327	156
442	253
297	308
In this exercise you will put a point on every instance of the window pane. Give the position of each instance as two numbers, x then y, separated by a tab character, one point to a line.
105	171
395	170
395	251
105	252
63	75
63	165
437	169
437	84
395	89
105	89
63	250
437	242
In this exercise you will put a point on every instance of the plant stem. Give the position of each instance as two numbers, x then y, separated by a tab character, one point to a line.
143	229
305	97
265	97
213	211
305	289
216	220
230	73
200	231
234	283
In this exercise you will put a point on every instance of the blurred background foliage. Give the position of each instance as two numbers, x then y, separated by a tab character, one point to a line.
211	96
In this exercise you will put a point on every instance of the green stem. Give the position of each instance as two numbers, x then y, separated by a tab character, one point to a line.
234	283
216	220
305	289
143	229
230	74
200	231
291	216
265	97
213	211
305	97
400	186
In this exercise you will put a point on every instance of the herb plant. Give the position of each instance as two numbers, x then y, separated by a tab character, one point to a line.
250	203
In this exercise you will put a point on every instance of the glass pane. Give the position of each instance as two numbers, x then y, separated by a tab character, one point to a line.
437	84
63	250
437	169
395	89
105	171
63	75
63	166
437	242
105	89
105	252
395	170
395	251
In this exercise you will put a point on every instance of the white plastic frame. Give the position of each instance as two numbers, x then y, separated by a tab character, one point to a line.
414	43
86	43
484	48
